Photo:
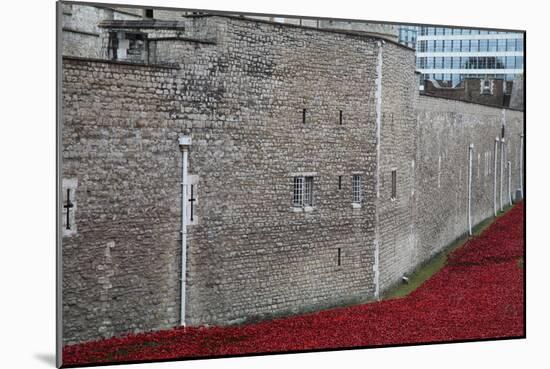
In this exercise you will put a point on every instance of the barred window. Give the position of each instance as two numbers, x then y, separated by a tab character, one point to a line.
303	191
308	191
298	191
356	186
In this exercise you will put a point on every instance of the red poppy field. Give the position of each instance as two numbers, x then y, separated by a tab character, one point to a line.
478	294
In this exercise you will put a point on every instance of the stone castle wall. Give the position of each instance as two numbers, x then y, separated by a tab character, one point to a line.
251	254
436	192
397	150
120	268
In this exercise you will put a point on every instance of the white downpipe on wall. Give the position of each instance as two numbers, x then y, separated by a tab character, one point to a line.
184	142
495	176
521	166
378	96
509	182
470	153
502	143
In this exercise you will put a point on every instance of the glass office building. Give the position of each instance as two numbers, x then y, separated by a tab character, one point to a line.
452	54
407	35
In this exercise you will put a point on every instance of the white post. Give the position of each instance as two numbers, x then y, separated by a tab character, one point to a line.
378	96
495	176
184	142
502	143
510	182
470	153
521	166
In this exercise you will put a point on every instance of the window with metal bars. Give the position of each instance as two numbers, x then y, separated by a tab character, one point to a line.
308	191
298	191
356	188
303	191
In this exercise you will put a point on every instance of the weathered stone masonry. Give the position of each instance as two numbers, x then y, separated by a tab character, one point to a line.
239	88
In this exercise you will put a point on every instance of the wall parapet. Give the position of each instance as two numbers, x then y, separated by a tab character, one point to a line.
427	95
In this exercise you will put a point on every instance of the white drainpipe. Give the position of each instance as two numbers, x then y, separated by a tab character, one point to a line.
378	96
503	142
184	142
495	176
521	166
470	153
510	182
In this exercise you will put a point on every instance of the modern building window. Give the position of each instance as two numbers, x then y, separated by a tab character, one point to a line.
424	45
456	62
456	45
447	43
148	13
510	62
356	187
511	44
429	63
423	61
519	44
393	184
303	192
482	63
465	46
304	111
519	62
483	45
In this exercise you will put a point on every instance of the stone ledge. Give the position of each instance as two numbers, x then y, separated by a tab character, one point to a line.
185	39
72	30
121	62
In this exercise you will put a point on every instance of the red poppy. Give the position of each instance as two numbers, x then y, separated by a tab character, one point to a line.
478	294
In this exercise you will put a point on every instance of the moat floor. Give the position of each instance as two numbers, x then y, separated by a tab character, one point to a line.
478	294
